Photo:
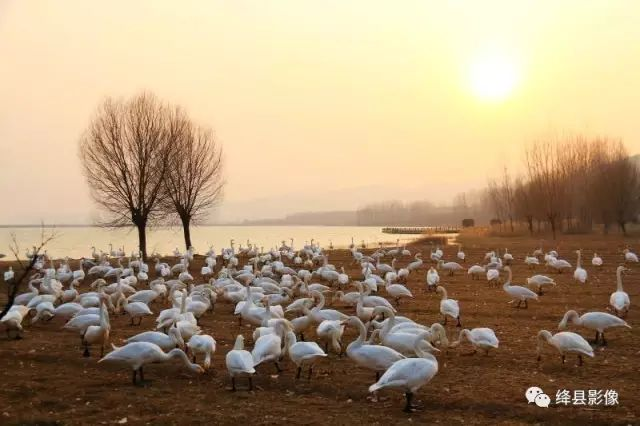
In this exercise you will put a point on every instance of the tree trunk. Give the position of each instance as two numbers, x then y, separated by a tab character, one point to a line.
142	239
623	227
187	232
552	222
530	224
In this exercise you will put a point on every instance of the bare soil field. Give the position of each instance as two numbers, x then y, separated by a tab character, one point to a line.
45	379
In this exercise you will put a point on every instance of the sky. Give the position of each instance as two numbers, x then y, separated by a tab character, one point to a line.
318	105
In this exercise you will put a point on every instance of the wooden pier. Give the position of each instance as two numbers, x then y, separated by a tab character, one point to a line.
421	230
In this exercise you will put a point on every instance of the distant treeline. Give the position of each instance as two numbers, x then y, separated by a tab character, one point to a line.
569	184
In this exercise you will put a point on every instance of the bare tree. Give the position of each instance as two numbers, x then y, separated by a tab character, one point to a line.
194	181
125	154
24	268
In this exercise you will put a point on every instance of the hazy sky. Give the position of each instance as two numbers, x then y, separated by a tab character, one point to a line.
319	105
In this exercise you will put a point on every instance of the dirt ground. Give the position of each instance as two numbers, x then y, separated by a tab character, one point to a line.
46	380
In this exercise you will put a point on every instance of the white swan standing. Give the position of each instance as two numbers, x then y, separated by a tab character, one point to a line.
619	299
596	260
138	354
580	274
410	374
433	278
171	340
303	353
481	338
565	342
240	363
597	321
373	357
522	294
202	344
448	307
629	256
539	281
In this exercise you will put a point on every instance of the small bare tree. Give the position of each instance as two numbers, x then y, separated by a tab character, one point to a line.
194	181
125	154
24	268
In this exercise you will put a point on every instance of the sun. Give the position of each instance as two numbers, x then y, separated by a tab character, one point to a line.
493	77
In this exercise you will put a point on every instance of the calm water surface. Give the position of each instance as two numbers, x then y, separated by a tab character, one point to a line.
77	242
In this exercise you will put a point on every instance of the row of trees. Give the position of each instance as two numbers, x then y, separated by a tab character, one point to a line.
569	184
146	162
423	213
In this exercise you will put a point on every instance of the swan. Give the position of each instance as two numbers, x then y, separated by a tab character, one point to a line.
13	320
145	296
81	322
9	275
539	281
136	310
450	267
331	331
303	353
433	278
269	347
580	274
531	261
522	294
410	374
448	307
565	342
98	334
239	362
138	354
374	357
461	255
417	263
349	299
481	338
629	256
475	271
619	299
598	321
202	344
596	260
25	298
171	340
398	291
67	310
558	264
318	314
493	275
507	257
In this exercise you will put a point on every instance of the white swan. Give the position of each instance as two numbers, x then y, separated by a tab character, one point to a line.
597	321
239	363
580	274
268	348
481	338
565	342
410	374
98	334
138	354
619	299
448	307
303	353
433	278
374	357
475	271
12	321
202	344
539	281
596	260
171	340
331	331
522	294
136	310
450	267
629	256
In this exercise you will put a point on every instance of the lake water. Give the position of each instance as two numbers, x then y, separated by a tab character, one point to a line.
77	242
